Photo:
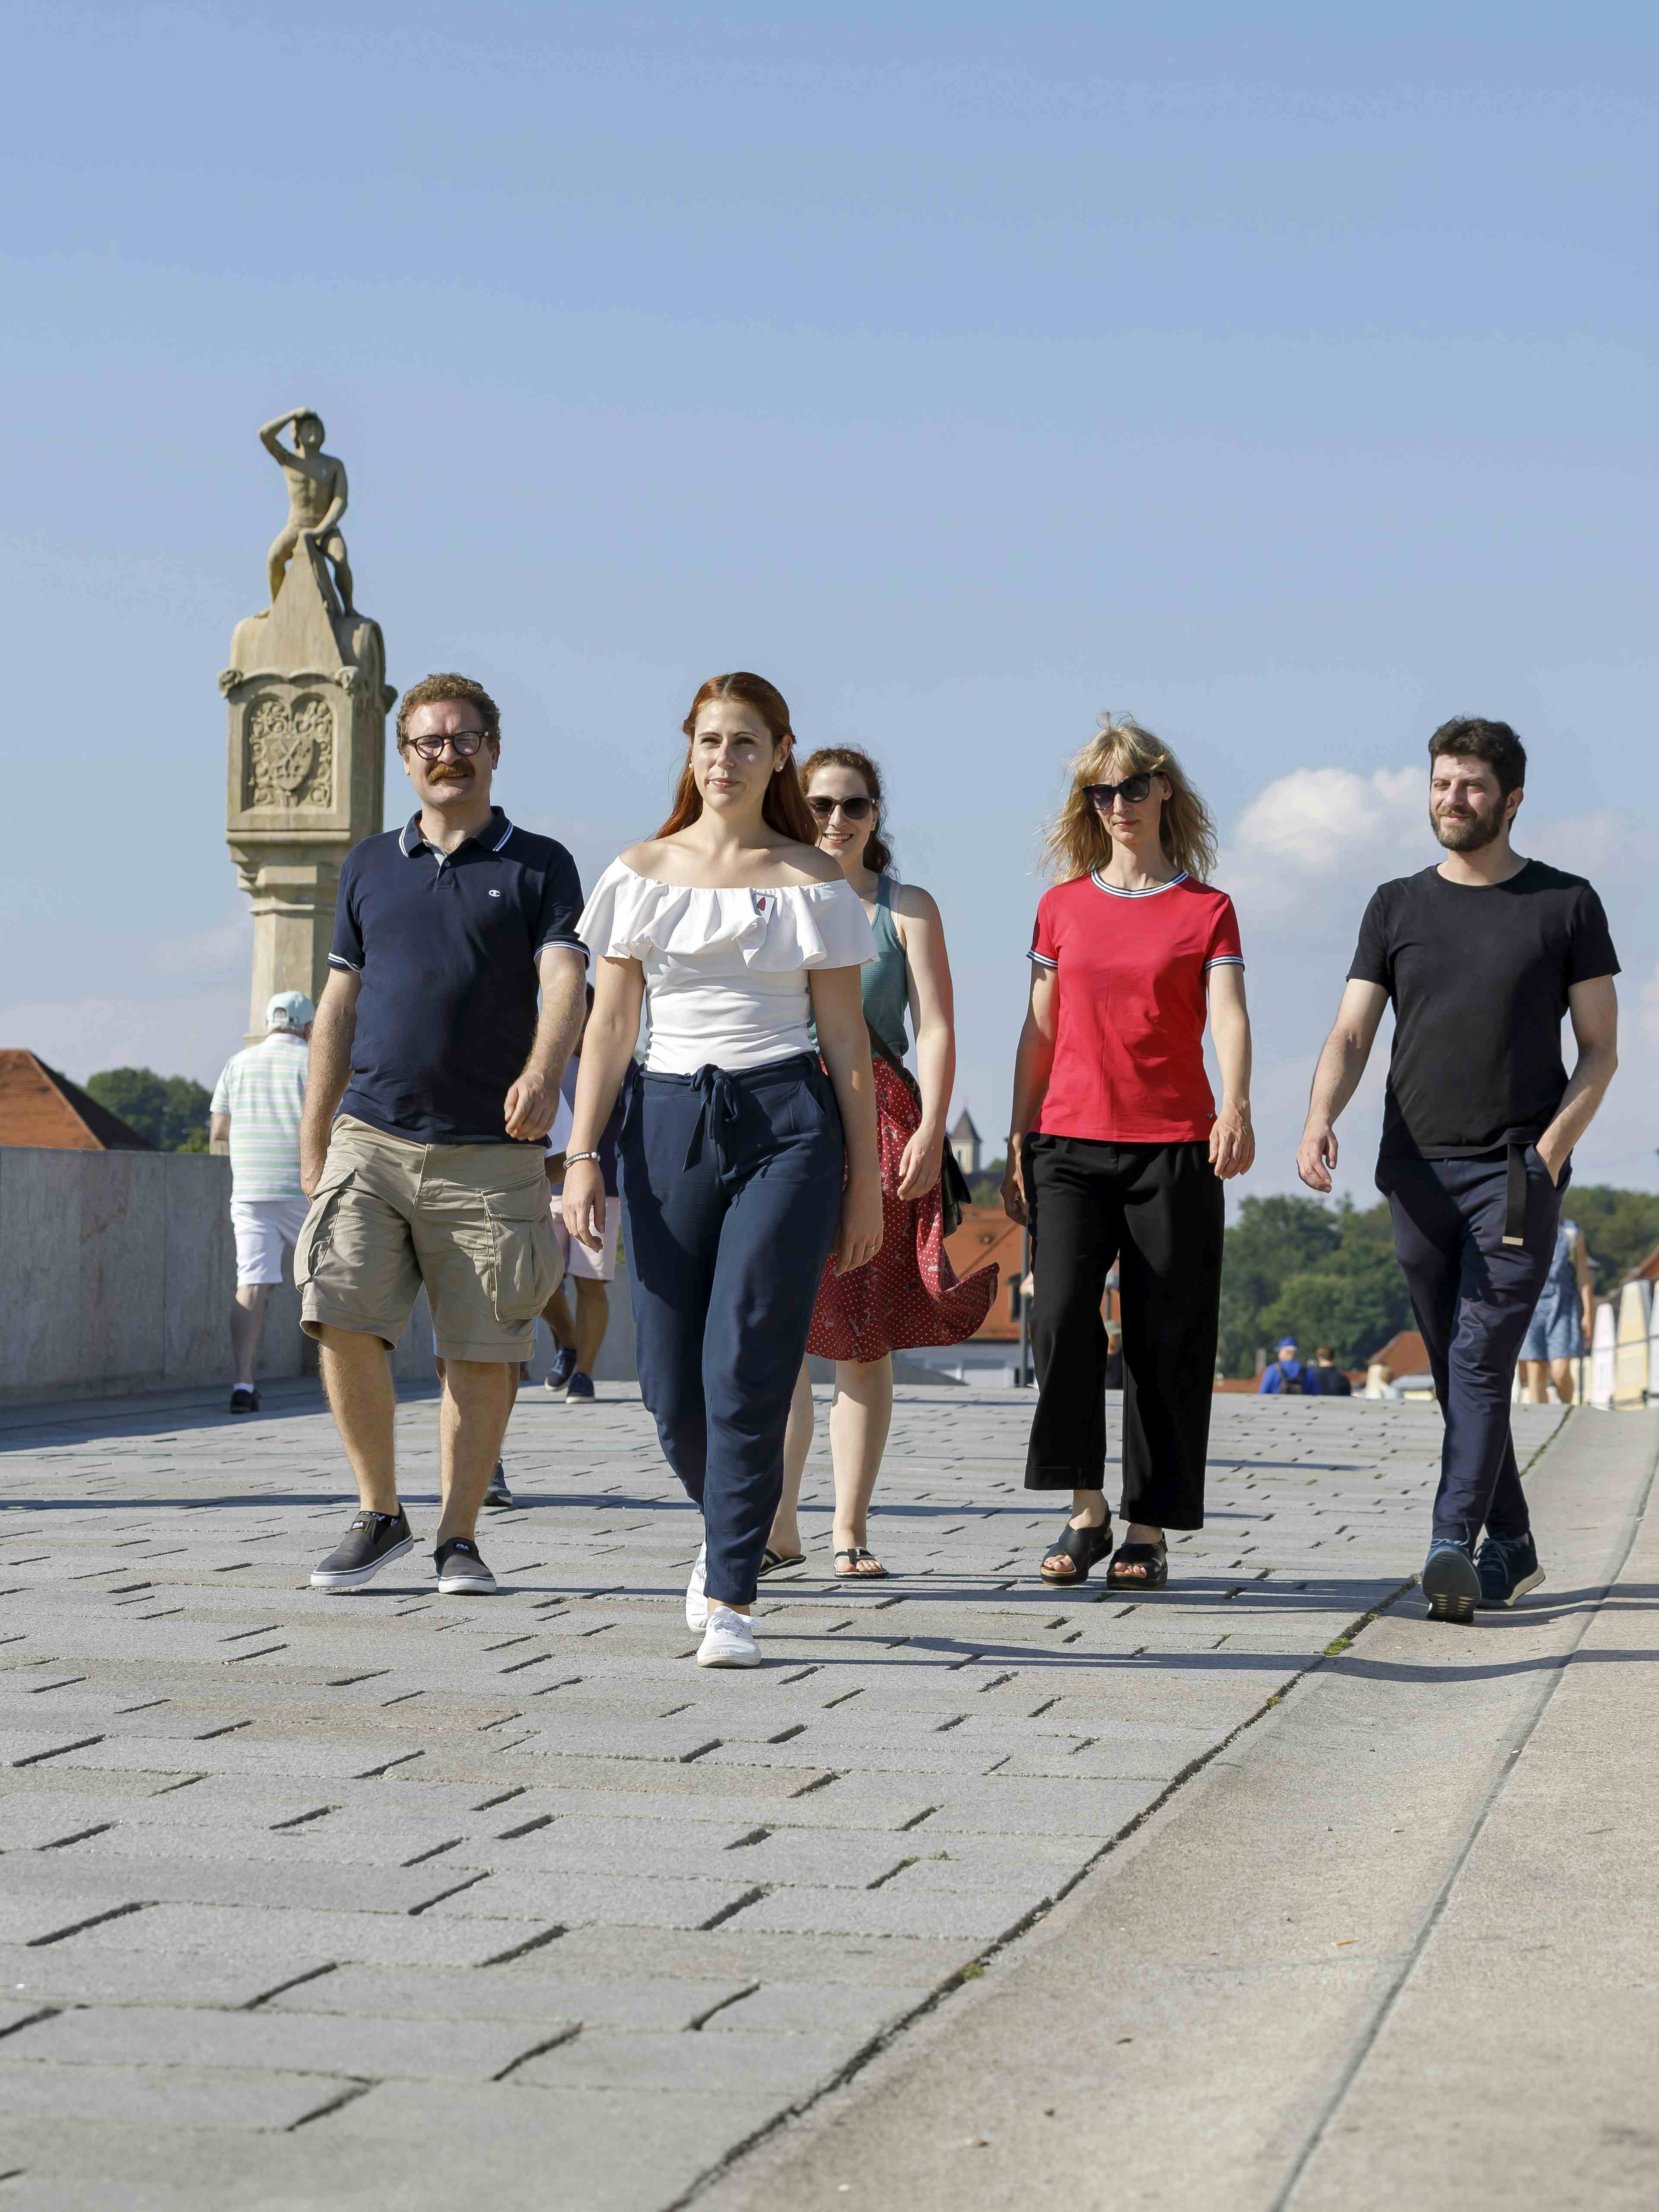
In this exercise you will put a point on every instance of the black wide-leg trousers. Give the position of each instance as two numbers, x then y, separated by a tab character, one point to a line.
1157	1210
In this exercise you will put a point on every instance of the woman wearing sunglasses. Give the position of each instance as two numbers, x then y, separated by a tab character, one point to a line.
1118	1150
908	1295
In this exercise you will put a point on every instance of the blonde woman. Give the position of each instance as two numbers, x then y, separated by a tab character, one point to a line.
1118	1150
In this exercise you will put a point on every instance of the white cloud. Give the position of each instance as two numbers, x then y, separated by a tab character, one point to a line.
1320	831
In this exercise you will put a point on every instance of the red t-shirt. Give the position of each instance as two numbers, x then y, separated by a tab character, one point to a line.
1131	969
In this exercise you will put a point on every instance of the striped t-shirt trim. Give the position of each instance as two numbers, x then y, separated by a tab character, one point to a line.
1117	890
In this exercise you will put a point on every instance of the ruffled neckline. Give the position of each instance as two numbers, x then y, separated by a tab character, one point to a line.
733	891
771	928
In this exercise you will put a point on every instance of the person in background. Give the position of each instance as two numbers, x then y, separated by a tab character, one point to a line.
1284	1372
256	1106
908	1295
1325	1379
1563	1322
580	1336
1116	1150
1483	956
1379	1382
1112	1373
443	1069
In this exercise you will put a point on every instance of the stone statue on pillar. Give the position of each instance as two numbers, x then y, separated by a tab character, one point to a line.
308	698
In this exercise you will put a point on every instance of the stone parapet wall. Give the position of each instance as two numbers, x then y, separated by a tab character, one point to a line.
117	1274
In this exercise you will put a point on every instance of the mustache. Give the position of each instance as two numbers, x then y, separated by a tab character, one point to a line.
456	774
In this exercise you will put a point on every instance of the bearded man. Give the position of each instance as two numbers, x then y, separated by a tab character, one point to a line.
1482	958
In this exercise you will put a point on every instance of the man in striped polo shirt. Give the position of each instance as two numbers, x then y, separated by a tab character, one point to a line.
257	1105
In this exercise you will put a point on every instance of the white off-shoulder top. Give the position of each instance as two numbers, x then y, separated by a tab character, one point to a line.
725	970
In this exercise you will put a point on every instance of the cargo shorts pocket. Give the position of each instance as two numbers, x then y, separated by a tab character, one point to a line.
523	1264
317	1235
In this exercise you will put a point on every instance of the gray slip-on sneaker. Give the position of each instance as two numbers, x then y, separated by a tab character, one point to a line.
461	1569
372	1540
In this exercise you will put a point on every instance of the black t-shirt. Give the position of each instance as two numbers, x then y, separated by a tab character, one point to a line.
1479	978
446	947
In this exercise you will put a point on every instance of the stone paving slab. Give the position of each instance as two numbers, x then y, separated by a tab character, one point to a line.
273	1862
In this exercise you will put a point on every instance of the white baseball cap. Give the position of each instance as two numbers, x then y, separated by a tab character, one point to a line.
289	1010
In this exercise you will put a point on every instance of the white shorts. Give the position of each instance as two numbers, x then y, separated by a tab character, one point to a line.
587	1267
262	1226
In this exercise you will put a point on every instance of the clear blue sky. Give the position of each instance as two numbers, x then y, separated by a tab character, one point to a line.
965	370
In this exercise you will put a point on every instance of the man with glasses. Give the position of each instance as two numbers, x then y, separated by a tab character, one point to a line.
445	1079
1481	956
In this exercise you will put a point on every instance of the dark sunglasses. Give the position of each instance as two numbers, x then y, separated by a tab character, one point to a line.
1132	790
855	809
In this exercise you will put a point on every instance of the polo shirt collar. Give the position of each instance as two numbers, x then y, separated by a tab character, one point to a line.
494	835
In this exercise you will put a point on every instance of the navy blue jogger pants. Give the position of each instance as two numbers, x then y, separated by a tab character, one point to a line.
733	1180
1474	1295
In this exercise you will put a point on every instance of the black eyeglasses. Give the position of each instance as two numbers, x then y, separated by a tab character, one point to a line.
1132	790
466	741
855	809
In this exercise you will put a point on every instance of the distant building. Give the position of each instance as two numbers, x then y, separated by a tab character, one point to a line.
39	1106
1405	1353
966	1144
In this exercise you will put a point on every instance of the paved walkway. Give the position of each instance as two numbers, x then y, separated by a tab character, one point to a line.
358	1901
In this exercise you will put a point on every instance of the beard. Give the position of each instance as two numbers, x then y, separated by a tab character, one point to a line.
1468	836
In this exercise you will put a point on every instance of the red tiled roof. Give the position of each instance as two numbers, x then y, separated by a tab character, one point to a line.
39	1106
985	1234
1405	1353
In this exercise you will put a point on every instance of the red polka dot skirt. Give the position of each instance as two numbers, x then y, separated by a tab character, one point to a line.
909	1294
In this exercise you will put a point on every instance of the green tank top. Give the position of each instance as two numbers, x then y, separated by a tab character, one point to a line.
886	981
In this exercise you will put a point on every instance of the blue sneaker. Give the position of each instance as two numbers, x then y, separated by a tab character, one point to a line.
579	1391
563	1367
1449	1581
1507	1568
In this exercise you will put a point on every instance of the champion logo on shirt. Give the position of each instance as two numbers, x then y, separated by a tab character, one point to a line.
492	894
762	900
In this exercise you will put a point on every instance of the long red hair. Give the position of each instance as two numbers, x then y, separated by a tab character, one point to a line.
784	808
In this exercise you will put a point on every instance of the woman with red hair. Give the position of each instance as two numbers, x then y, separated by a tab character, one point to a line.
745	1159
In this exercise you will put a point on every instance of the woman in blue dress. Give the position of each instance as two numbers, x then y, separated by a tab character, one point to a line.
1563	1321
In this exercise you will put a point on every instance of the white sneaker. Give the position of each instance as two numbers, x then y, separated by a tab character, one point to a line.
697	1605
728	1640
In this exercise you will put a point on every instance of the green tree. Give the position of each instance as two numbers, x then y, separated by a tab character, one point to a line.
1273	1239
170	1110
1324	1274
986	1187
1620	1227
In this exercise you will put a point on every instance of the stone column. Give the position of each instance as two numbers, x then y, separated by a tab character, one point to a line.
307	700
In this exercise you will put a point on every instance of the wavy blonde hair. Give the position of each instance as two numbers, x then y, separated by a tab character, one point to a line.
1077	839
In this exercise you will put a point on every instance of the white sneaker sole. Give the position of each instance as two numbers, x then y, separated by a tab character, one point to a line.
1527	1583
467	1586
729	1655
342	1578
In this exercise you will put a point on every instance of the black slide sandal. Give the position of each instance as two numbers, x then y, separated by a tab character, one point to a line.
1084	1547
1155	1558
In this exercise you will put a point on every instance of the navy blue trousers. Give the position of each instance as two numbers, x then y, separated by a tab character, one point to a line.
732	1182
1472	1296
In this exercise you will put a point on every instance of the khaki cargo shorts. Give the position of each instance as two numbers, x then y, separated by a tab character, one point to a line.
472	1222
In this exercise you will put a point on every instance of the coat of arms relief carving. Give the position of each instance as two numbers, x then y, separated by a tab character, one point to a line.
290	753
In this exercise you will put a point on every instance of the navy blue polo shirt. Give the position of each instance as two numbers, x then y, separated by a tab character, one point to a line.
445	945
